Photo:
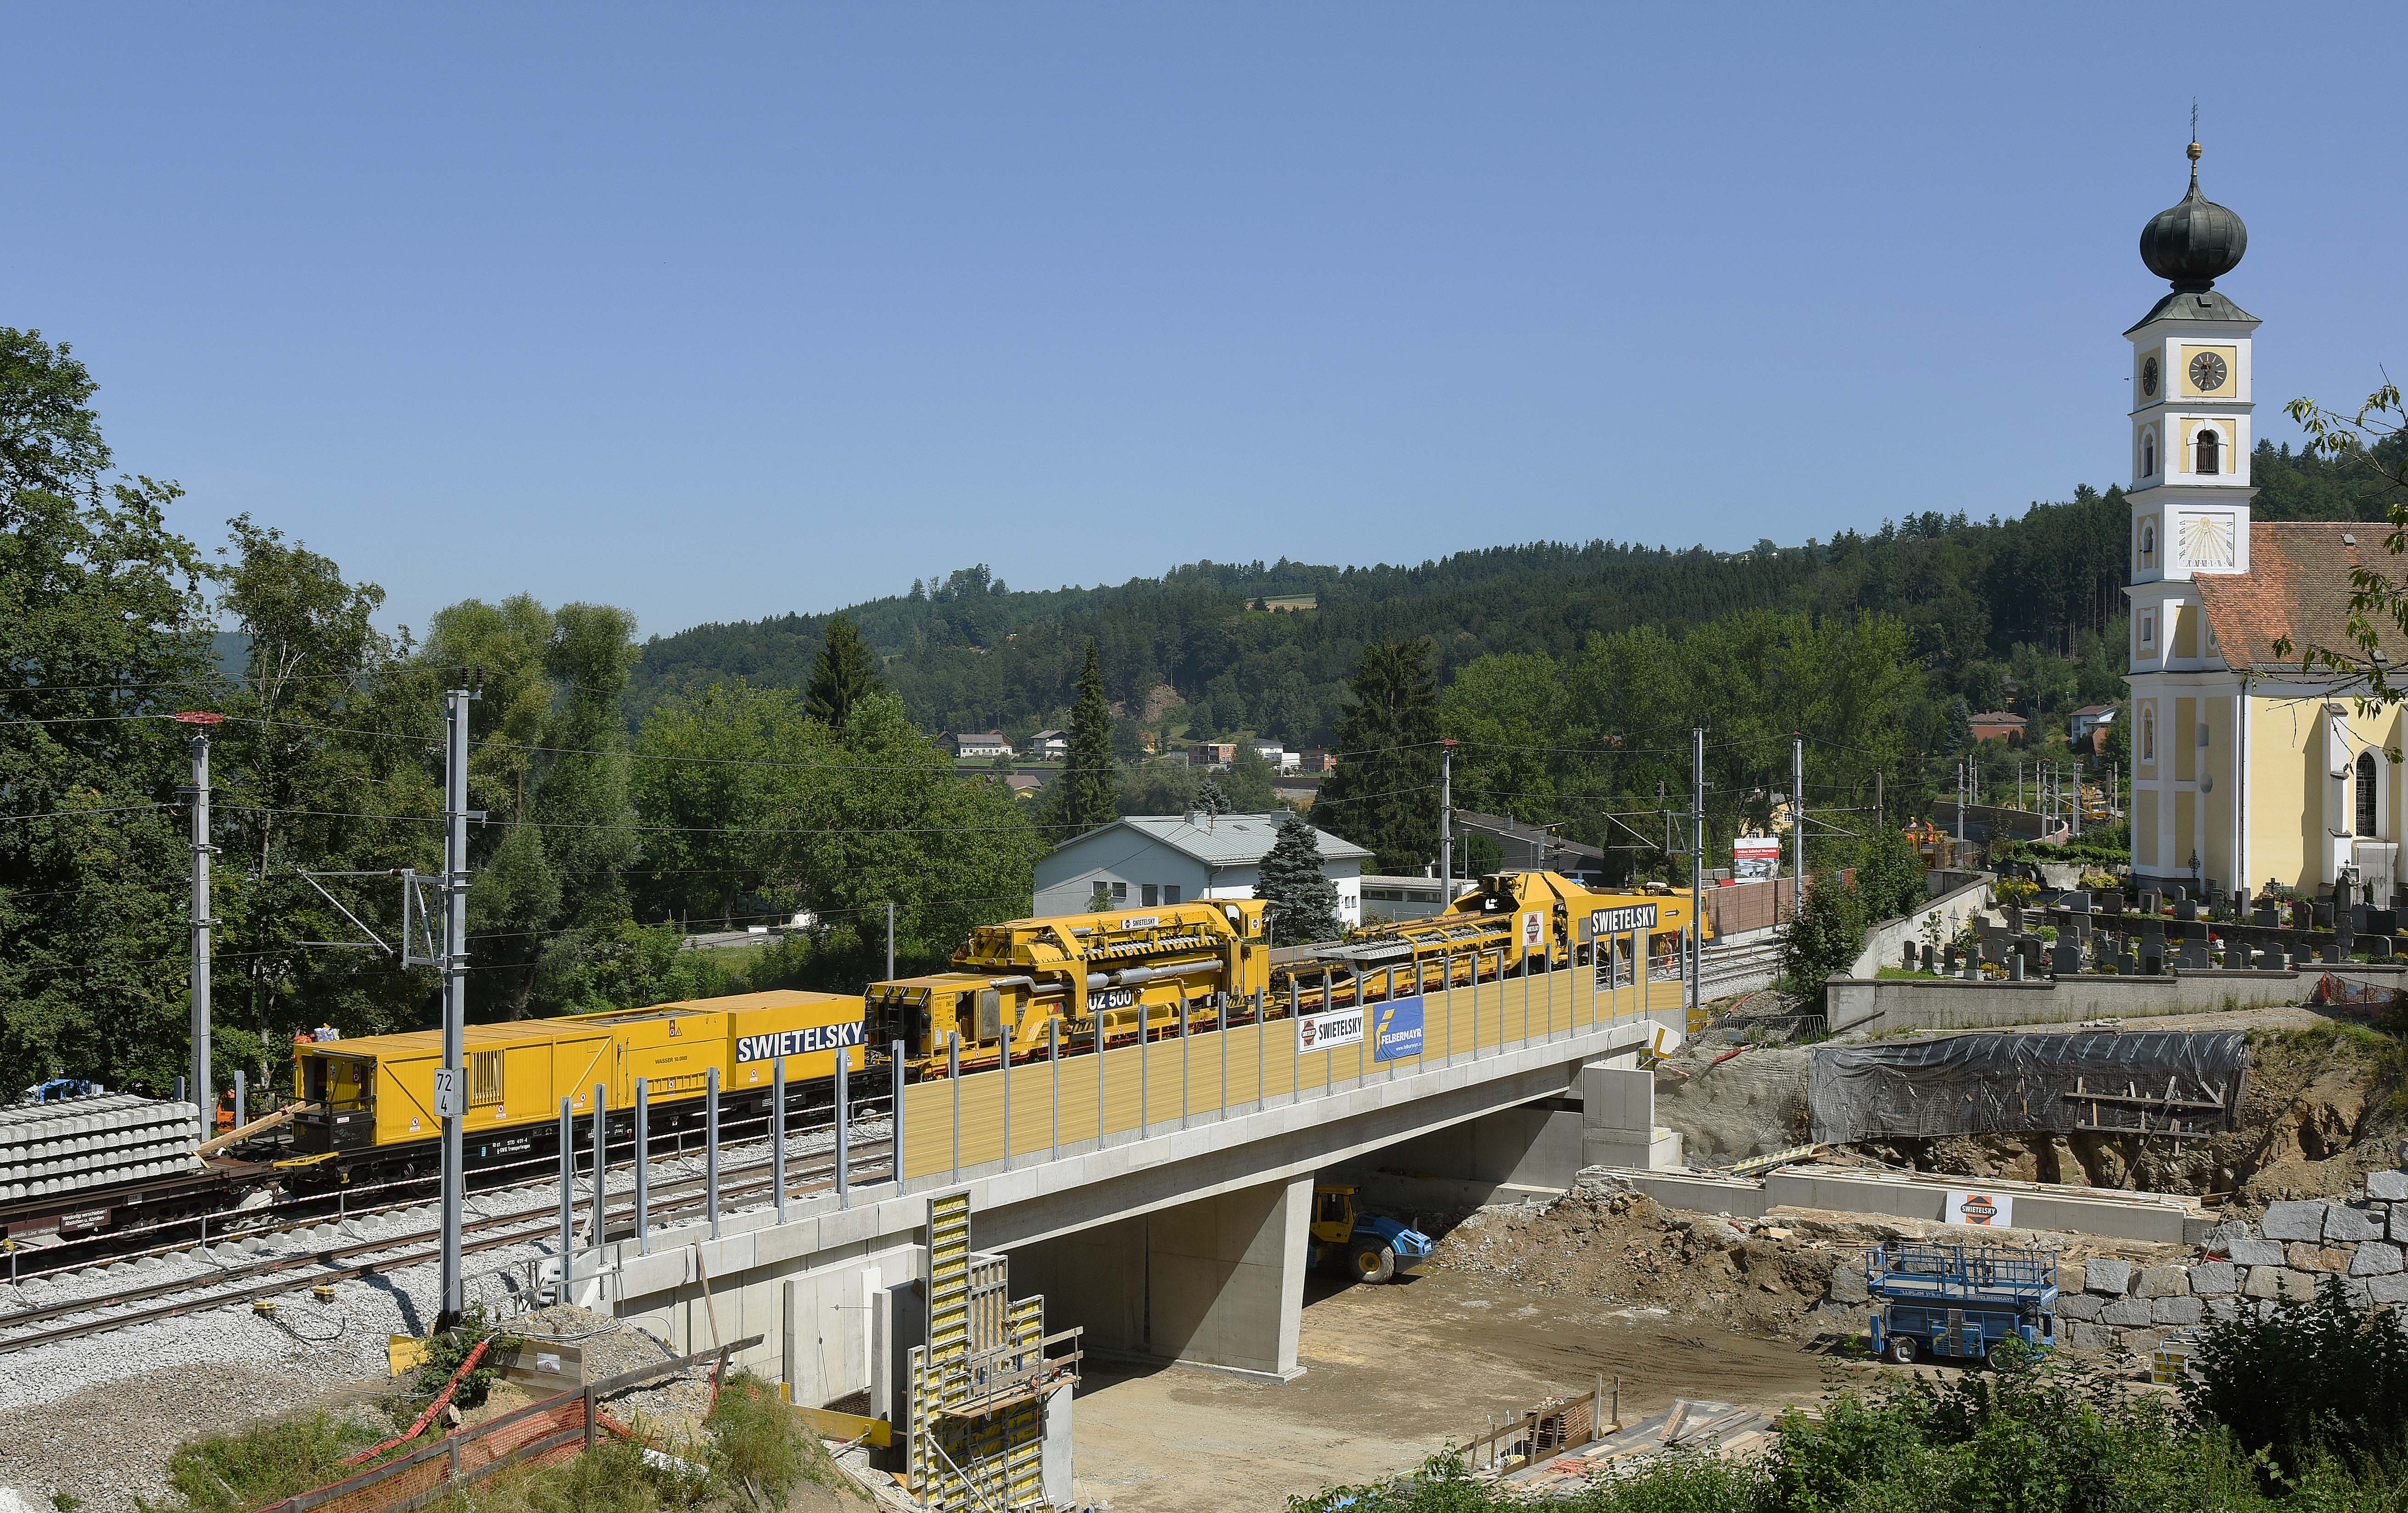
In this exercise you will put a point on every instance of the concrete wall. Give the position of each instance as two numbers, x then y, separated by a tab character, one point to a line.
1864	1006
1218	1283
1885	944
2131	1216
1537	1145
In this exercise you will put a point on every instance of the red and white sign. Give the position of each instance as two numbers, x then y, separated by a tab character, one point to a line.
1754	858
1983	1210
1534	930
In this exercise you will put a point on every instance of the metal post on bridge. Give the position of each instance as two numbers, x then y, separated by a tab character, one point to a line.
953	1072
643	1166
567	1194
1003	1069
894	1070
241	1104
601	1155
710	1144
777	1131
843	1129
1053	1060
1144	1072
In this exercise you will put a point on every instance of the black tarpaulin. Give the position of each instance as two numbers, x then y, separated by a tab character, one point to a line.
2163	1081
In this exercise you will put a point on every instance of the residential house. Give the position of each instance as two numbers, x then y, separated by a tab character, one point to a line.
984	746
1047	746
1149	861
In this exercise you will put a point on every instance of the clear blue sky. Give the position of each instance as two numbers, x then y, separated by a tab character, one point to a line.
724	313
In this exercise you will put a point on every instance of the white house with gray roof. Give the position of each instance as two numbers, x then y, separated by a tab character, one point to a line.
1151	860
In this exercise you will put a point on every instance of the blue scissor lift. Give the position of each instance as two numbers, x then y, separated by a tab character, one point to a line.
1955	1302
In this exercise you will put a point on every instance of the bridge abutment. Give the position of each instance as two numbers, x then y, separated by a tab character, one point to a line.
1218	1282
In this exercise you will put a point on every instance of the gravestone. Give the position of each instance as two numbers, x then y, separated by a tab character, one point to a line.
2068	955
1913	955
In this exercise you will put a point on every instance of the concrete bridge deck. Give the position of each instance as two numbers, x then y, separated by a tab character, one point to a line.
1177	1238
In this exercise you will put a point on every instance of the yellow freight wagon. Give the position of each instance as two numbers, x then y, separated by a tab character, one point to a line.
377	1093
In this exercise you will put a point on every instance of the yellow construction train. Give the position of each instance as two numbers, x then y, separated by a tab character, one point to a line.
1126	974
371	1101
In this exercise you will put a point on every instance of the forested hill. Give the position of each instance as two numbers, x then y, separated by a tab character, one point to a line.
968	653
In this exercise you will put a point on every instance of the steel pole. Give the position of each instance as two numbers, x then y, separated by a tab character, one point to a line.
567	1192
777	1131
710	1147
643	1166
601	1155
241	1102
1445	823
1696	875
890	941
455	994
1797	817
894	1114
843	1129
201	1086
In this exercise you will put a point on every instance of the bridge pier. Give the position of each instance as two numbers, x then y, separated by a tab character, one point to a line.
1218	1282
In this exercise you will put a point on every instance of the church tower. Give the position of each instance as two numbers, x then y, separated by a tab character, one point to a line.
2192	394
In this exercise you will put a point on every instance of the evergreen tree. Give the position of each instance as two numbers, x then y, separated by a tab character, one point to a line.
1821	940
1088	786
1303	900
846	670
1385	793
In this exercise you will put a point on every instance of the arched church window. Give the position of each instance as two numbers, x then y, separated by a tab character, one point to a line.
2149	456
2365	795
2149	732
2210	445
2148	545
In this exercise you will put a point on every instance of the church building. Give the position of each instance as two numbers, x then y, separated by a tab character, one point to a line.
2247	770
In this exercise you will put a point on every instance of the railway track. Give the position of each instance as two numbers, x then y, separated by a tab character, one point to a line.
292	1273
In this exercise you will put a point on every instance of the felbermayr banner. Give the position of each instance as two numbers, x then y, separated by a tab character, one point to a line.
1396	1033
1320	1031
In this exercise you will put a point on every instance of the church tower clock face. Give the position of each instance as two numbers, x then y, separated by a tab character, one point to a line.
2149	378
2207	371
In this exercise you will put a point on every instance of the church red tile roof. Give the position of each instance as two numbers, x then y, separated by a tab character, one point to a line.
2298	586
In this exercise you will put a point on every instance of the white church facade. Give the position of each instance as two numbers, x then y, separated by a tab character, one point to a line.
2248	770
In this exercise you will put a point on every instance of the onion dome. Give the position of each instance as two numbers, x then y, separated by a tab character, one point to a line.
2195	243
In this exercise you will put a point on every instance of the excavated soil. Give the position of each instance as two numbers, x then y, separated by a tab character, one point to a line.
2320	1108
1753	1278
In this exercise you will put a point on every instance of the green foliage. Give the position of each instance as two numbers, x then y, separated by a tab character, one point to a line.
446	1353
550	773
837	824
1822	940
1599	740
102	623
1246	787
1085	794
2270	1380
1303	901
232	1472
1889	877
2022	1437
845	673
1384	795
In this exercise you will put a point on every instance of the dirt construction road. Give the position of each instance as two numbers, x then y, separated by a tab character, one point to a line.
1392	1374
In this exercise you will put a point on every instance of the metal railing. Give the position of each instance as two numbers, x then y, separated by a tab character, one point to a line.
1247	1061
